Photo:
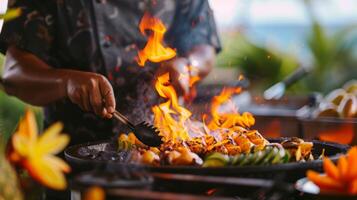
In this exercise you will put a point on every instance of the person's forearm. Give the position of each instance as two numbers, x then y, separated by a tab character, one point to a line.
202	57
32	80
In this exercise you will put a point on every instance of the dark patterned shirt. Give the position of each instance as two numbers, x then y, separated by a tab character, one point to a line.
102	36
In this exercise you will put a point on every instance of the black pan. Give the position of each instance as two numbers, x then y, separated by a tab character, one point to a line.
290	171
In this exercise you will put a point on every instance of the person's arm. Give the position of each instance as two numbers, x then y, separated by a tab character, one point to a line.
194	35
32	80
203	58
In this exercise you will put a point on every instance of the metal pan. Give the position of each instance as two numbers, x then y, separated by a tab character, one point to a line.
291	171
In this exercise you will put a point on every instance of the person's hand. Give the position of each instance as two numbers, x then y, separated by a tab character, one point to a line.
91	92
179	74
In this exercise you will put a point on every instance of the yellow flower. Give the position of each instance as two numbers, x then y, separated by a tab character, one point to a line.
37	153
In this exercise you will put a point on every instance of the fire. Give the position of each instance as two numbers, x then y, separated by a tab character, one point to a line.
170	117
174	121
193	79
224	132
154	50
228	120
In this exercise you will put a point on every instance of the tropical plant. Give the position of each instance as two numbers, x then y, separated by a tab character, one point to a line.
334	59
262	65
9	186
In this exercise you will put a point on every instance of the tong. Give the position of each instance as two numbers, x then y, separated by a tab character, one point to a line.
278	90
146	133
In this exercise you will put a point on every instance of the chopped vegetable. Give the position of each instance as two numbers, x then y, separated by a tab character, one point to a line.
270	155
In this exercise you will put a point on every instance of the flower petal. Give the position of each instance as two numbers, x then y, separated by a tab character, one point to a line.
21	144
53	146
28	125
51	133
330	168
352	189
324	182
342	166
352	163
58	162
45	173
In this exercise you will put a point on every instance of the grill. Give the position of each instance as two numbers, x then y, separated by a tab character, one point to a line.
98	163
291	171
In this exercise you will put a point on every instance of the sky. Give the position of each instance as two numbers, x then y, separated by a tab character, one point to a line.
230	13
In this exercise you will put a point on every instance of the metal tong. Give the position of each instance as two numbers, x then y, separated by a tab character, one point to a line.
146	133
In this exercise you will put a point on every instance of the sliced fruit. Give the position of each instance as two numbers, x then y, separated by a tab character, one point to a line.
260	156
213	163
235	160
270	156
336	96
330	111
248	158
219	156
286	157
348	106
350	86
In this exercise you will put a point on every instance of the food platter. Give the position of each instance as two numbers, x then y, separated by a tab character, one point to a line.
288	171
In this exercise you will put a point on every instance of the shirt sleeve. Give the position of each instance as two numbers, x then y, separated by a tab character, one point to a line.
193	25
32	31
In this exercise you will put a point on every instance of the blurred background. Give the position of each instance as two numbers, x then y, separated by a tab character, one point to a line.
266	40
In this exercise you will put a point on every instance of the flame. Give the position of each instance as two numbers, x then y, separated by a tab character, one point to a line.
228	120
154	50
174	121
192	80
170	117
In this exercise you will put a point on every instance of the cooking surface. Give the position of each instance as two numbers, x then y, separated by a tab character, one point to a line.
292	170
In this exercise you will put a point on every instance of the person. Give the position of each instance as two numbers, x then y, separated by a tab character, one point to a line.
77	58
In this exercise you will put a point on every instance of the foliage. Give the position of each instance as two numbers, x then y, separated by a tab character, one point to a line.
262	65
9	186
333	58
11	109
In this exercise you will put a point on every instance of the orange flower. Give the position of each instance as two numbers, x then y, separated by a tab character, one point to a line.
340	178
37	153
